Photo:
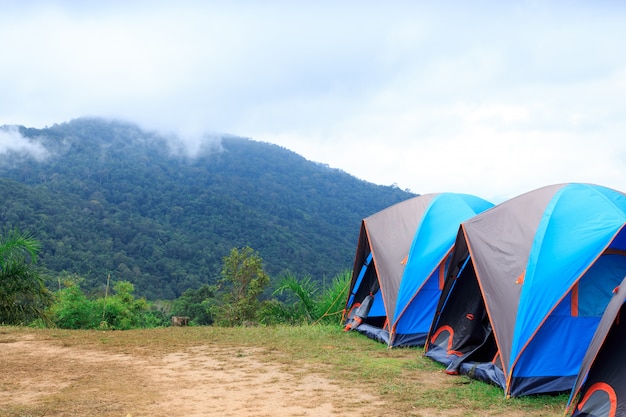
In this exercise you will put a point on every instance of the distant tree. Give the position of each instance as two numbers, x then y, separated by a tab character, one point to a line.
242	282
23	294
196	304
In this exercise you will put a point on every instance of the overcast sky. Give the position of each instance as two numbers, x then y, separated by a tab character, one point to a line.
492	98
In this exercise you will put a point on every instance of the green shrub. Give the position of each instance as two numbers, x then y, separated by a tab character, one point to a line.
119	311
72	309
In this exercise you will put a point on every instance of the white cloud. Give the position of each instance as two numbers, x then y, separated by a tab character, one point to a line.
11	141
491	98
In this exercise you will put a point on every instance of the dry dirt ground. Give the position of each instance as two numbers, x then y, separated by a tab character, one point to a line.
41	375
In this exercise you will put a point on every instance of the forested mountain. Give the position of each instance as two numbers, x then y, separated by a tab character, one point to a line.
105	197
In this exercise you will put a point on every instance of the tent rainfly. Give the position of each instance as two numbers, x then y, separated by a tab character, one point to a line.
527	285
400	264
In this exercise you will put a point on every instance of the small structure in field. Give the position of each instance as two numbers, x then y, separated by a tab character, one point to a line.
180	321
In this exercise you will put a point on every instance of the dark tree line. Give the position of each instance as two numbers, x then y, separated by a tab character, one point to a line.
236	300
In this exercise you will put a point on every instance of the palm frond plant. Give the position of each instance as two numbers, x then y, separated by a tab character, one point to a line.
332	300
302	293
23	294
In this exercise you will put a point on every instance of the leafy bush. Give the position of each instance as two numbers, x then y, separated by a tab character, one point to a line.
72	309
120	311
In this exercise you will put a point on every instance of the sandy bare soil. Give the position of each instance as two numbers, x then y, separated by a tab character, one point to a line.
106	374
37	377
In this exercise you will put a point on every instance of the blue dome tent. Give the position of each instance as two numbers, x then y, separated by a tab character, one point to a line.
400	264
527	285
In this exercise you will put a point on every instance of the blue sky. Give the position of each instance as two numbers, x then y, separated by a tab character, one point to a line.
488	98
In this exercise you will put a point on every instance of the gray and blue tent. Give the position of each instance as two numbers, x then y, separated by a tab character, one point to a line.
527	285
400	264
600	389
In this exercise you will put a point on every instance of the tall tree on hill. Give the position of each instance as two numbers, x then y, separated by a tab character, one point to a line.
23	294
242	282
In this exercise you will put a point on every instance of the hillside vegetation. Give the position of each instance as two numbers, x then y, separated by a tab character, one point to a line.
106	198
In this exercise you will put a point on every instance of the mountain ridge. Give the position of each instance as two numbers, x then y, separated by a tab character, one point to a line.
108	198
